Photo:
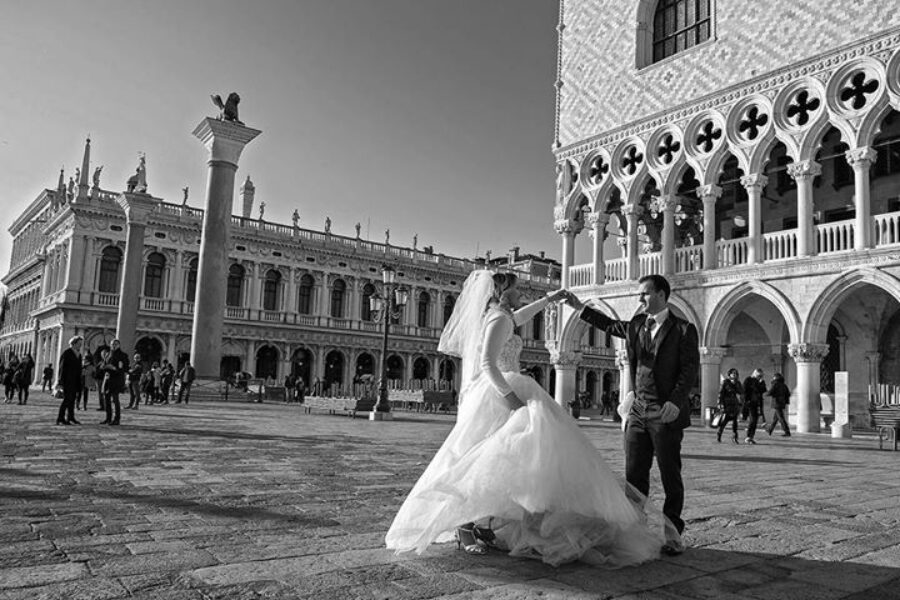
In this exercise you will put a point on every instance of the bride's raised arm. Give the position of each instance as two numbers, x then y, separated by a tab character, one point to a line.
527	312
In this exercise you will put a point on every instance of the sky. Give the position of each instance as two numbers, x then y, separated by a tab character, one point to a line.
429	117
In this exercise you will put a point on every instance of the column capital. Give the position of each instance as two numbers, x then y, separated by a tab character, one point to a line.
808	353
593	219
805	169
137	207
622	358
709	193
861	158
567	227
711	355
225	140
564	359
632	210
756	180
667	203
873	356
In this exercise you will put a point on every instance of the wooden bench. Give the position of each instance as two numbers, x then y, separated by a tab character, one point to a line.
349	406
886	419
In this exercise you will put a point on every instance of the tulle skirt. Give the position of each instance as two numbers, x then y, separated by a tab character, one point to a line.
534	478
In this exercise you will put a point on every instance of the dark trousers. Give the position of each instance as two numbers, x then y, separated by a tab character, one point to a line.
645	437
777	418
112	398
23	394
725	420
184	389
753	421
134	394
46	384
82	397
67	406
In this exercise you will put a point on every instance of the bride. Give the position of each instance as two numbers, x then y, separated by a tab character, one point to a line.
516	472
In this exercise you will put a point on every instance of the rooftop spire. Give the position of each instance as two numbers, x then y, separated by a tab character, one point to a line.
82	182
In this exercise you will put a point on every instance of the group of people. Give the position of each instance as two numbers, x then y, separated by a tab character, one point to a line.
111	373
17	375
746	401
294	389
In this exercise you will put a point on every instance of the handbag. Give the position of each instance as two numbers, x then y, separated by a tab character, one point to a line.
717	419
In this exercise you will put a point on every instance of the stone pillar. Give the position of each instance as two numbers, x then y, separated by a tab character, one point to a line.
667	206
225	140
754	185
710	378
708	194
597	222
862	159
803	173
808	358
625	383
566	229
566	365
632	212
873	361
136	207
178	286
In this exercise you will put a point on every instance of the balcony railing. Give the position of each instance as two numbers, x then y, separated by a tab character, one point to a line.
834	237
731	252
581	275
887	229
616	269
650	263
780	245
688	258
102	299
155	304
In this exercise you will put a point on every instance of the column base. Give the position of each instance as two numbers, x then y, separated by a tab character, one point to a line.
841	431
381	416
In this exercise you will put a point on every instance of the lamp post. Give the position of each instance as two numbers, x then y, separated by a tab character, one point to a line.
388	306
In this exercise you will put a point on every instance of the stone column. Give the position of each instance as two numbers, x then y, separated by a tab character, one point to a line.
632	212
75	267
862	159
255	303
566	365
667	206
597	222
808	358
566	229
178	284
873	360
224	140
803	173
291	283
710	378
625	383
754	185
136	207
708	194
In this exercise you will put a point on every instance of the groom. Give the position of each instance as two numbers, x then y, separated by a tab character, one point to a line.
663	357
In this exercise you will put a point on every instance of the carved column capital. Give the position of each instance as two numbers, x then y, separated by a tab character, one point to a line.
594	219
667	203
709	193
861	158
632	210
622	358
873	356
807	353
803	170
756	180
711	355
566	227
564	359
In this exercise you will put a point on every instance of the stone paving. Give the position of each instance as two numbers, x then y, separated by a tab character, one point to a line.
237	500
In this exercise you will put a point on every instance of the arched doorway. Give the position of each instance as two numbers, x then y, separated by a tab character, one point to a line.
365	366
590	386
150	349
301	365
447	372
229	366
421	368
334	369
267	363
394	367
538	374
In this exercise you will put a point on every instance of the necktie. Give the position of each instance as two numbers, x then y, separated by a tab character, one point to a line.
646	334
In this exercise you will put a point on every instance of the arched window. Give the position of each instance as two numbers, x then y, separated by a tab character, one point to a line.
191	291
153	275
271	287
338	289
537	327
110	262
304	295
423	309
449	303
679	25
366	309
235	285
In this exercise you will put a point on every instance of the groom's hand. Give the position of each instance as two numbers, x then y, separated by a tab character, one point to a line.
558	295
669	412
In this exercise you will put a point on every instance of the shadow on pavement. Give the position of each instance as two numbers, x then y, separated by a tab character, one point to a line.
767	459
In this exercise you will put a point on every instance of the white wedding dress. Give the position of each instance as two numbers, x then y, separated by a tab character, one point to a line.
531	474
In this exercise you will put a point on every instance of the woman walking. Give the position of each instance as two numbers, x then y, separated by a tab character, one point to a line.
730	399
781	397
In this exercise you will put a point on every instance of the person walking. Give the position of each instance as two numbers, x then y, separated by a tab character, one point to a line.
9	386
754	389
24	375
116	366
663	358
166	378
88	382
781	397
731	395
134	383
69	381
47	379
186	377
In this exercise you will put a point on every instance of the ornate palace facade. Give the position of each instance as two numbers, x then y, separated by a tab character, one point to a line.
297	299
750	152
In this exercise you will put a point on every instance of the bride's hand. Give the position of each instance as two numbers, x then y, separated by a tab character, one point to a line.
558	295
513	401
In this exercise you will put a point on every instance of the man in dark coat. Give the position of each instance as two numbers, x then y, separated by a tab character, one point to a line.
663	358
116	367
69	381
186	377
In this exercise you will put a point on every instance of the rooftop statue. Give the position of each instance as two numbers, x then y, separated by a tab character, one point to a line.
96	177
229	107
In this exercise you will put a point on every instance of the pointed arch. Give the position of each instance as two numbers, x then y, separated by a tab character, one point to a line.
726	309
815	328
573	329
686	309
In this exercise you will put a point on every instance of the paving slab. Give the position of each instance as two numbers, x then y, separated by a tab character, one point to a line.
226	500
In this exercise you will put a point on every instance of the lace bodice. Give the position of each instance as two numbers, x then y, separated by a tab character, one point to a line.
509	356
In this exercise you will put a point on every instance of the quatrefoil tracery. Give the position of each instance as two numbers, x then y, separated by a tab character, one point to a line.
706	139
632	160
803	107
668	149
857	90
754	121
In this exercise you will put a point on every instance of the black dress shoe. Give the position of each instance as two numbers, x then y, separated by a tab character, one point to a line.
106	422
74	422
62	422
116	422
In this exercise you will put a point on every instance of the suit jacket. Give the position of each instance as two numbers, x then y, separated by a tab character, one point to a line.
120	365
70	370
677	357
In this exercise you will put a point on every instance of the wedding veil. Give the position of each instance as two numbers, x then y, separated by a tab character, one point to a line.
462	334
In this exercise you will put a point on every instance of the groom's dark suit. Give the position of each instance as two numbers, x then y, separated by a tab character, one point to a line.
664	371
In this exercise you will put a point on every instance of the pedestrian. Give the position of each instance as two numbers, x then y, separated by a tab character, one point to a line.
663	358
116	366
781	397
147	390
166	378
23	377
754	389
9	386
69	381
88	382
134	383
157	382
288	388
731	395
47	379
186	377
300	389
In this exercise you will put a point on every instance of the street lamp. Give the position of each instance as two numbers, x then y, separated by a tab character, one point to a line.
388	306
